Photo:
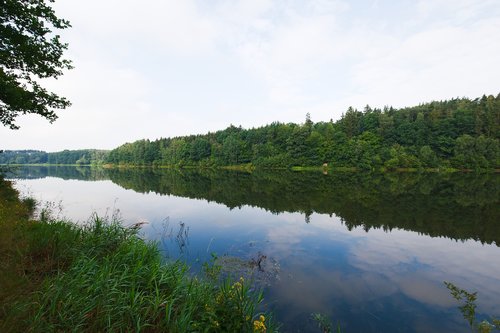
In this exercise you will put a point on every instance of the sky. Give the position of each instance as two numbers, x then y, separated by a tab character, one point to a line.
164	68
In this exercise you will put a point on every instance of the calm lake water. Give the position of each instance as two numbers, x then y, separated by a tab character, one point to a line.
368	251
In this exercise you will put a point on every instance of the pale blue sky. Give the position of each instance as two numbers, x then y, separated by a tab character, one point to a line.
151	68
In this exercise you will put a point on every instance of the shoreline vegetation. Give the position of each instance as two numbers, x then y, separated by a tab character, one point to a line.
453	135
101	276
248	167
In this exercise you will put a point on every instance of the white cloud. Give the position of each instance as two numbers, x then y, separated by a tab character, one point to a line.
467	263
459	11
165	26
439	63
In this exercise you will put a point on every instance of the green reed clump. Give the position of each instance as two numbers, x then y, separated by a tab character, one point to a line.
103	277
468	309
324	324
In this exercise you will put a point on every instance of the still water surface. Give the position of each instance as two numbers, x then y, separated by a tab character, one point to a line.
368	251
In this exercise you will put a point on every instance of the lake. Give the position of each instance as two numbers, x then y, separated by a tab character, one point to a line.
368	251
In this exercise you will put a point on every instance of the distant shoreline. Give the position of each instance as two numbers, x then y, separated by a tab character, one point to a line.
250	167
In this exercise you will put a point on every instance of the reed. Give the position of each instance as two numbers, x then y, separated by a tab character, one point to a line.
102	277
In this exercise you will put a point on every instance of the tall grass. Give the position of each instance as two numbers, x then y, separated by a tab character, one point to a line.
116	282
14	219
101	277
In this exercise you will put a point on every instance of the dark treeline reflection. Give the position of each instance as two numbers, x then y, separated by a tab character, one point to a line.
65	172
458	205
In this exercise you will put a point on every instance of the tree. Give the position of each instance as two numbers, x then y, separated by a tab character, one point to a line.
29	52
200	149
350	122
308	122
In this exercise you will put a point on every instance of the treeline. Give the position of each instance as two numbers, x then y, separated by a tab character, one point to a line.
78	157
459	133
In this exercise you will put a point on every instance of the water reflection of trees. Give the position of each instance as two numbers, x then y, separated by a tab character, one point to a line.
60	171
459	206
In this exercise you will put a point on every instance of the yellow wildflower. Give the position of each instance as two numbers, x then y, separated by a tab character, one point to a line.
258	325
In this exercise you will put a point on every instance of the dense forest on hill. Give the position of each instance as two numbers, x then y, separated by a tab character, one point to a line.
460	133
82	157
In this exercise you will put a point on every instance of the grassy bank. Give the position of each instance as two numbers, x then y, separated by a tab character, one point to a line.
58	276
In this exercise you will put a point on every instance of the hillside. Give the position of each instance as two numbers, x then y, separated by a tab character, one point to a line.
459	133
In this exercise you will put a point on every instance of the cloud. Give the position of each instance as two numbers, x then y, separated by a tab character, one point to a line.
438	63
106	99
166	26
418	265
458	12
292	52
379	264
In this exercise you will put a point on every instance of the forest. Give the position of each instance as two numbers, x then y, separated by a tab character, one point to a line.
66	157
459	133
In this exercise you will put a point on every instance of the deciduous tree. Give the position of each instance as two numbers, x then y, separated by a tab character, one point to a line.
29	53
